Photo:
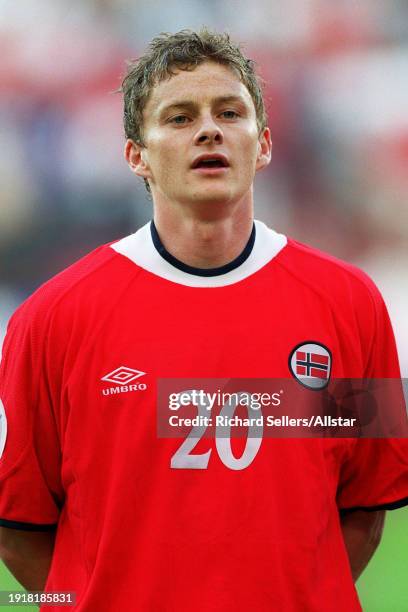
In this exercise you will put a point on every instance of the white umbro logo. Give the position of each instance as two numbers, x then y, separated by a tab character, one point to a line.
123	375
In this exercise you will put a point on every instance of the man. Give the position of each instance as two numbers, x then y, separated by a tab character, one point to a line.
91	496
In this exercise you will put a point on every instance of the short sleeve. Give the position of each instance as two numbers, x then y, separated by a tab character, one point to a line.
375	475
31	494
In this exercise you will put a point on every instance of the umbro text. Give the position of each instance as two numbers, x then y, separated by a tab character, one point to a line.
124	389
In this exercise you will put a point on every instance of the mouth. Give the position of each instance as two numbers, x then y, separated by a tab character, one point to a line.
210	164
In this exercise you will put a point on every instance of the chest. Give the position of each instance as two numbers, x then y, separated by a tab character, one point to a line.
236	332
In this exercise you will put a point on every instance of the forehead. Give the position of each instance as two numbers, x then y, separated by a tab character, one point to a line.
201	85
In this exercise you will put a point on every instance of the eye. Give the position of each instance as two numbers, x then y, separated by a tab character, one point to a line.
179	119
229	114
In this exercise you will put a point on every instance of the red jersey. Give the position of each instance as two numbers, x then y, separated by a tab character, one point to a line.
135	529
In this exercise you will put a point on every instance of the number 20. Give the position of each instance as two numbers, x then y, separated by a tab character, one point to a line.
182	459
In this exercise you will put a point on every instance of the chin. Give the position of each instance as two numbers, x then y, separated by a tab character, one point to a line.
213	195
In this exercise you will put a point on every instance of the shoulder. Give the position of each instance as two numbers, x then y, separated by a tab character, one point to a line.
87	282
350	295
328	276
345	297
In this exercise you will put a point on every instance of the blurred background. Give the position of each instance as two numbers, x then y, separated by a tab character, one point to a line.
336	85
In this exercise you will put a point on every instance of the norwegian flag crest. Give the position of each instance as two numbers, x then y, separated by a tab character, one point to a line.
310	363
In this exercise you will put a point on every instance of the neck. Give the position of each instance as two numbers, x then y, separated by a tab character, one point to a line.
204	239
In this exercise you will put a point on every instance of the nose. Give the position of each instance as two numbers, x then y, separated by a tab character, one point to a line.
208	133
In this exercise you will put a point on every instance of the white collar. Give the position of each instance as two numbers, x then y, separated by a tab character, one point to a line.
139	248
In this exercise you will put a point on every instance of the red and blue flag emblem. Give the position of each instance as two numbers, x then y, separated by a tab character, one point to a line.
310	364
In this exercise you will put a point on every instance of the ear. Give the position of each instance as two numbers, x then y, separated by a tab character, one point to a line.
136	157
264	149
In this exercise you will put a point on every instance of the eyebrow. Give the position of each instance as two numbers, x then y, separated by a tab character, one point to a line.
192	105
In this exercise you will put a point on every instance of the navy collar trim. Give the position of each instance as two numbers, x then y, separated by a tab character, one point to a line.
235	263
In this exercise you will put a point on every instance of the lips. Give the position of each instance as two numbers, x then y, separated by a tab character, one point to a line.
209	161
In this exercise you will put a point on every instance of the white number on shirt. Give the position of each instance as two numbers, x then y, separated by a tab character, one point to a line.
182	459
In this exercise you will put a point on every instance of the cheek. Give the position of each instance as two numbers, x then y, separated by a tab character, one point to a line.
249	144
249	153
159	151
163	160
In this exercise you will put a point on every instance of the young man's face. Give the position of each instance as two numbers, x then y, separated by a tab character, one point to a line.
201	138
